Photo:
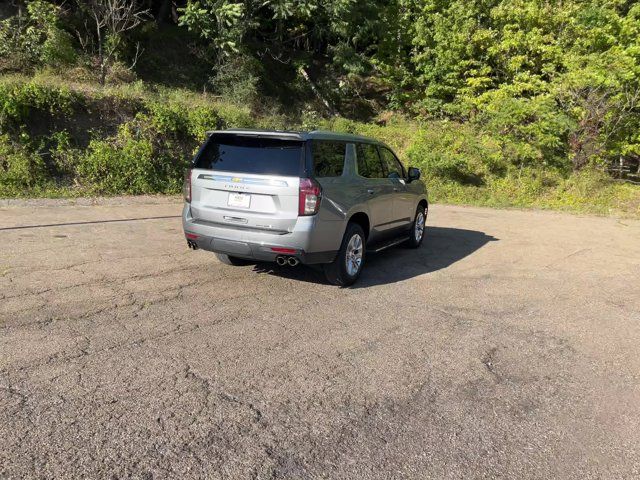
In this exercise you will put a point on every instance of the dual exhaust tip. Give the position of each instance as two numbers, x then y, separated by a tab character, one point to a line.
280	259
291	261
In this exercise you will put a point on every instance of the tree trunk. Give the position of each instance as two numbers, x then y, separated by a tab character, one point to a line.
164	12
317	92
101	60
103	74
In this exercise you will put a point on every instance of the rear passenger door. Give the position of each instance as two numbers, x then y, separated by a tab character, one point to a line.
404	202
378	188
328	170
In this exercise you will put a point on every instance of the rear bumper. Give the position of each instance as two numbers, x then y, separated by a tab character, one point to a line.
256	245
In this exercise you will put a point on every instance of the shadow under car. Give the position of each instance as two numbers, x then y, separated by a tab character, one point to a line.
442	247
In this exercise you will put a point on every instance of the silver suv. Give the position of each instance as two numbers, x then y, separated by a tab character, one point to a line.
309	197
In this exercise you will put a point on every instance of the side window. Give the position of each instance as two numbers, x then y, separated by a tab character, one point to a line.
369	164
393	167
328	158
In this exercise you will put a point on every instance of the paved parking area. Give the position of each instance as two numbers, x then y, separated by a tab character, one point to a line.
507	347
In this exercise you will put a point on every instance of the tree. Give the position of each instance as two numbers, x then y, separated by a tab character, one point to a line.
111	19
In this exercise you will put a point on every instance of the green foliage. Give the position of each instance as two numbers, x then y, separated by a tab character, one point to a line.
456	152
147	154
531	131
34	39
397	131
237	80
219	21
64	156
555	83
587	191
201	120
18	100
20	168
124	164
500	102
167	119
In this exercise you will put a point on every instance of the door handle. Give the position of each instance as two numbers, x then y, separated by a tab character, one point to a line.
371	191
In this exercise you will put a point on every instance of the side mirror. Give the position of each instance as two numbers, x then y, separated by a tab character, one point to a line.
413	174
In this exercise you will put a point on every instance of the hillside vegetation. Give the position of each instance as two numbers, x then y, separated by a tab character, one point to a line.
502	103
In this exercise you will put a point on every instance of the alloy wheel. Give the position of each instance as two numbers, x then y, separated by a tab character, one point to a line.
353	257
419	226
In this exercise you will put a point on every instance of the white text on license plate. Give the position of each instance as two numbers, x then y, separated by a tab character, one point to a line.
241	200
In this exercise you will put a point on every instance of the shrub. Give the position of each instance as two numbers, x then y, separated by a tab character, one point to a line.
531	131
232	116
139	159
201	120
35	39
119	74
236	80
167	118
119	166
456	152
17	101
21	169
64	157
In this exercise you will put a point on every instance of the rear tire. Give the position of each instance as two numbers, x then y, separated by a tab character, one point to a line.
416	234
229	260
349	261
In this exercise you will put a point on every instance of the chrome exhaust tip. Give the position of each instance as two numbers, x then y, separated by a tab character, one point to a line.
293	261
280	260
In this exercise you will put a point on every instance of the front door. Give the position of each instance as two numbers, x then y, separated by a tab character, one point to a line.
378	188
404	202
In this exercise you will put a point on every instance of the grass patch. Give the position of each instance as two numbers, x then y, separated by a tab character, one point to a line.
589	192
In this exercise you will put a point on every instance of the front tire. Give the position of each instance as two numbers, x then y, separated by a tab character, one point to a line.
416	235
229	260
349	261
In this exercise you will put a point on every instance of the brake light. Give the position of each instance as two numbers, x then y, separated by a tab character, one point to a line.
309	197
186	186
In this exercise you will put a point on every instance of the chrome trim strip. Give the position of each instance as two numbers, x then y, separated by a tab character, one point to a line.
246	181
237	226
235	219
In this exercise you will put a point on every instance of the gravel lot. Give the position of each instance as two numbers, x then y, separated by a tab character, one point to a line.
508	346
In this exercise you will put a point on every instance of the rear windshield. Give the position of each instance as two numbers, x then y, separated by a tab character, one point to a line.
237	153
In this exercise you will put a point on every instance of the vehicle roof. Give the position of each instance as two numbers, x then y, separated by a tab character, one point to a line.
296	135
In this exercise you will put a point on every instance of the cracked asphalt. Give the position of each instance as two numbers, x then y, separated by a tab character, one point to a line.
507	347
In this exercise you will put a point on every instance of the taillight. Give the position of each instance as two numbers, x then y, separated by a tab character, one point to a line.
186	187
309	197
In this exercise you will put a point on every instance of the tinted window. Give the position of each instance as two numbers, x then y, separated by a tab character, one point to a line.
237	153
369	164
392	166
328	158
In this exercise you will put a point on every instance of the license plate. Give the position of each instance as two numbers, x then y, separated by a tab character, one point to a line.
241	200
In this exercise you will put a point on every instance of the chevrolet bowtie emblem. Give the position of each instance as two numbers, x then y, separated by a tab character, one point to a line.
236	179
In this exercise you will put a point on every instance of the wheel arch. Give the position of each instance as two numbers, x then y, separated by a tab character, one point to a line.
362	219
